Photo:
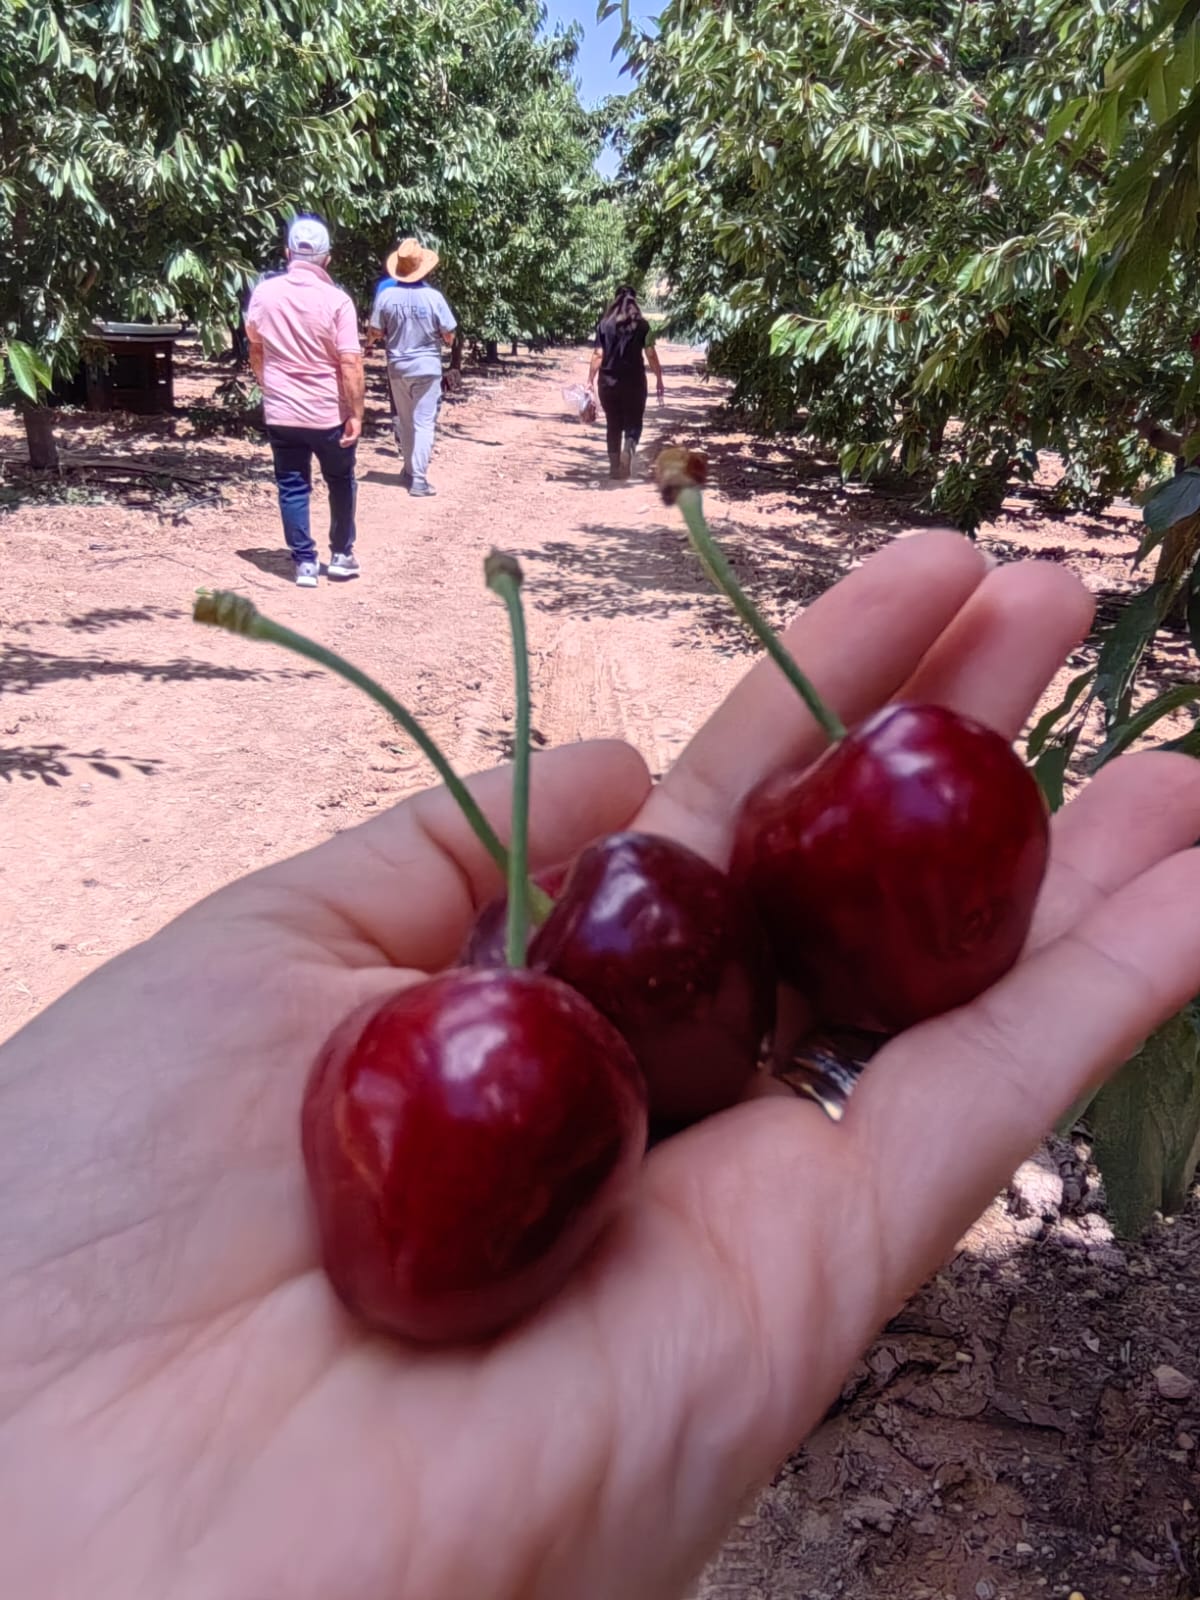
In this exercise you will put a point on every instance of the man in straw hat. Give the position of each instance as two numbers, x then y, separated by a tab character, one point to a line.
415	322
304	351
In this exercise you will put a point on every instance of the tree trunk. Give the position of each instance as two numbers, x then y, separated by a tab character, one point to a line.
39	435
515	350
456	352
491	353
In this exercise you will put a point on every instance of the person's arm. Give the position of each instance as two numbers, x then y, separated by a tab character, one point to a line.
352	386
351	378
375	321
655	366
256	355
254	343
597	358
447	323
653	362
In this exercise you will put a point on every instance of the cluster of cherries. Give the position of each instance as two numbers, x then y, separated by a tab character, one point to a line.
468	1138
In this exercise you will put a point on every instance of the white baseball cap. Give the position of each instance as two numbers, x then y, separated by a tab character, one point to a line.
308	237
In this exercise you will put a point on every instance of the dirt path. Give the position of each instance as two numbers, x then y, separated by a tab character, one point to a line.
1007	1437
149	761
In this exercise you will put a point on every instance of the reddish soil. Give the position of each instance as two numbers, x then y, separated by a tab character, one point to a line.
1007	1437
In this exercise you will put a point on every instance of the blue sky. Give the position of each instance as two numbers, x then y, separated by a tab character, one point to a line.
599	75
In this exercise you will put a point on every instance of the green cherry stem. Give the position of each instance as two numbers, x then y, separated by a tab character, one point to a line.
503	575
718	570
235	614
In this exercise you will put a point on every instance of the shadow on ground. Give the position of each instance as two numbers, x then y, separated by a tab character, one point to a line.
275	563
648	571
51	763
393	480
22	671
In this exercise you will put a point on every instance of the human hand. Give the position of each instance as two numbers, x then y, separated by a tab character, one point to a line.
351	432
660	388
185	1410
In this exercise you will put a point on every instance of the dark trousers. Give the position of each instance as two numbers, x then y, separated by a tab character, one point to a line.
293	450
624	402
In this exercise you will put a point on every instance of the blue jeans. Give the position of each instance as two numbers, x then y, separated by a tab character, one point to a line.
293	450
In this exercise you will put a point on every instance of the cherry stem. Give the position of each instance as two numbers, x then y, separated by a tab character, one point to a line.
720	573
503	575
236	614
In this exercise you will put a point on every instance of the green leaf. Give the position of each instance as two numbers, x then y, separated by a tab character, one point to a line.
1146	1126
1050	769
1193	607
1171	502
1045	726
1062	119
1184	533
30	372
1188	744
1122	649
1122	736
1156	94
1110	123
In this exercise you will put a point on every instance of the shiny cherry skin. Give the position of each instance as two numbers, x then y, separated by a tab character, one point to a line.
671	952
897	876
466	1141
486	940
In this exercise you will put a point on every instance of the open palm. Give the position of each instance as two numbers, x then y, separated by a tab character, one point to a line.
186	1411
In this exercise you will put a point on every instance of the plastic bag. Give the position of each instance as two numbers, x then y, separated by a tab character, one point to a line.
579	402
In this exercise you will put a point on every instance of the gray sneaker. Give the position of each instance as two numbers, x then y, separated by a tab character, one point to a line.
306	574
422	486
343	564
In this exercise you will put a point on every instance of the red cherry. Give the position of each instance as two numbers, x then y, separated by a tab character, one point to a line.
896	877
486	940
670	951
466	1141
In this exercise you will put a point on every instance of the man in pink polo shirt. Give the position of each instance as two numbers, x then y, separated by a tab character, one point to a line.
305	353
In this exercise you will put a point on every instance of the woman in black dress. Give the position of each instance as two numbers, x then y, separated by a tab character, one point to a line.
619	363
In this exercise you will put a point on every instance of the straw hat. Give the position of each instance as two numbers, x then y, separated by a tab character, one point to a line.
409	262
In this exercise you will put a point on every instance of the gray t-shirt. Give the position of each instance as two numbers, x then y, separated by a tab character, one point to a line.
412	318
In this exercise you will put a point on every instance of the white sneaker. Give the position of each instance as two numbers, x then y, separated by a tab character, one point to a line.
306	574
343	564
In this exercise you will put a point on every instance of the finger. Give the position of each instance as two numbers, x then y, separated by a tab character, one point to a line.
410	881
1133	813
995	659
858	643
962	1100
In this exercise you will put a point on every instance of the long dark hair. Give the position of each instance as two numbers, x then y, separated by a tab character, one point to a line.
624	311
